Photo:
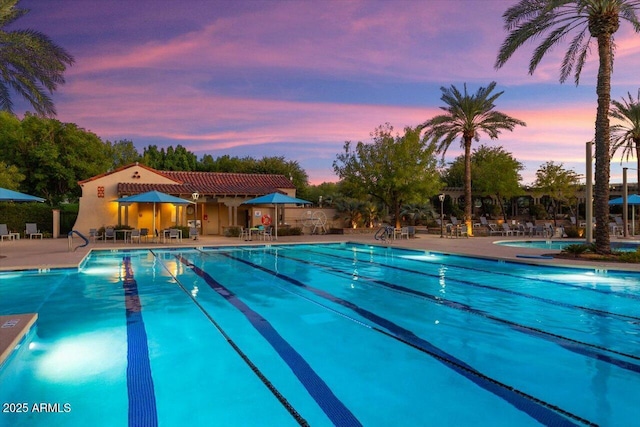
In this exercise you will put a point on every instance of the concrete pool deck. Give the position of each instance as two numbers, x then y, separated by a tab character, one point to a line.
26	254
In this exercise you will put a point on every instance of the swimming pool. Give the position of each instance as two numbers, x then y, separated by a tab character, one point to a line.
333	334
627	246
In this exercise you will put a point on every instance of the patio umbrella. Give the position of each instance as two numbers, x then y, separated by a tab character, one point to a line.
276	199
632	200
14	196
153	197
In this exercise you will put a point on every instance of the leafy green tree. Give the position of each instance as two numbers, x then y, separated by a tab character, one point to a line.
558	183
123	153
54	156
626	135
31	65
153	157
466	116
180	159
323	194
10	176
553	21
394	170
453	175
495	172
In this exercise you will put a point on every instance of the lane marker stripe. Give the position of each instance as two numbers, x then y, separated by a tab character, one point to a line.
142	399
539	410
337	412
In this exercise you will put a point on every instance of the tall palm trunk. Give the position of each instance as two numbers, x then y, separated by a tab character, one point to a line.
602	142
468	204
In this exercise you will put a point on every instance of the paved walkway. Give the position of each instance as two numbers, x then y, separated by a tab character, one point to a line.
54	253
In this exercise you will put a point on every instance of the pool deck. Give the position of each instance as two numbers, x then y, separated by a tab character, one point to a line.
12	329
26	254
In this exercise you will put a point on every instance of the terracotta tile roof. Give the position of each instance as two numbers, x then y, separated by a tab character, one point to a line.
212	183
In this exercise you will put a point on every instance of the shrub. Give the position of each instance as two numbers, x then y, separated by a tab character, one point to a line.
289	231
633	257
577	249
232	231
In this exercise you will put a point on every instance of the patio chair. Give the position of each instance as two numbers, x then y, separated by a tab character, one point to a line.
31	229
174	233
245	233
144	232
110	233
94	235
193	233
508	231
463	231
620	224
411	230
267	234
529	228
4	232
135	235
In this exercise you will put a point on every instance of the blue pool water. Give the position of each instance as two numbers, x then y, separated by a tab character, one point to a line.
334	334
627	246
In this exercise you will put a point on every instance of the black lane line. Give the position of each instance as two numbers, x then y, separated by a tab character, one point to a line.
337	412
576	346
591	310
283	400
539	410
501	273
142	399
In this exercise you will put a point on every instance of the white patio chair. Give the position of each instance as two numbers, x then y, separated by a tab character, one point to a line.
31	230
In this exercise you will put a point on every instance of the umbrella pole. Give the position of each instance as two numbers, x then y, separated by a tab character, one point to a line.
155	230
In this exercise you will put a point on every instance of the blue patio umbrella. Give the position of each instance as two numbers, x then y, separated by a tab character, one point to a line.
276	199
153	197
632	200
14	196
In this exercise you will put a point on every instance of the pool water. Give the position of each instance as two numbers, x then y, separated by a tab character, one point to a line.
627	246
332	334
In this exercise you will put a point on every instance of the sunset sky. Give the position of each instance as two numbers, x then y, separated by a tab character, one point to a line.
299	78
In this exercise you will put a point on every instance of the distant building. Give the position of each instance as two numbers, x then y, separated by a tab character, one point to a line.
218	205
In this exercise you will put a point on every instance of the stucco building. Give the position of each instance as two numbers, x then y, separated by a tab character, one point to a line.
218	204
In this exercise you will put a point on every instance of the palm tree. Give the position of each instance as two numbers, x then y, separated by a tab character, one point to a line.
30	63
466	116
626	136
587	20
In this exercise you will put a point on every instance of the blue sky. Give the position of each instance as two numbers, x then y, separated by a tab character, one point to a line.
299	78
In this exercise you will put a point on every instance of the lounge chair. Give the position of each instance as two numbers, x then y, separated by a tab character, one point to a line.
493	230
4	233
31	229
